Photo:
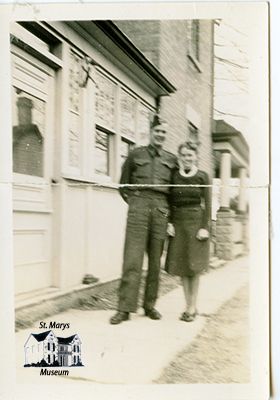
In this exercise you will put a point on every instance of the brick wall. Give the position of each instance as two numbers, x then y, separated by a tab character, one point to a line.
145	35
173	64
165	43
200	94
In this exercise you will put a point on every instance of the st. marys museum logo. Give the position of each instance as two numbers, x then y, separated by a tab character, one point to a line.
45	349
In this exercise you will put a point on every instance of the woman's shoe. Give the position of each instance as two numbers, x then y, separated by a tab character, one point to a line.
187	317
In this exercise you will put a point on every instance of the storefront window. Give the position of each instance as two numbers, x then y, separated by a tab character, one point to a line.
28	133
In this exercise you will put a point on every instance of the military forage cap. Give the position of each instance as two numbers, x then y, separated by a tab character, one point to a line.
157	120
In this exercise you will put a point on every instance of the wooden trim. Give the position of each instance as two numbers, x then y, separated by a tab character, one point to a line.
105	130
22	39
122	41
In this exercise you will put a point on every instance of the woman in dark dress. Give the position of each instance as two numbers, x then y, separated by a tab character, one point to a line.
188	251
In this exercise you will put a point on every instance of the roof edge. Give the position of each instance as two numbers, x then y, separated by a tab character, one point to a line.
230	134
121	40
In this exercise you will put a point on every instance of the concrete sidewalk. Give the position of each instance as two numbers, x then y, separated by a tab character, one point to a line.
136	351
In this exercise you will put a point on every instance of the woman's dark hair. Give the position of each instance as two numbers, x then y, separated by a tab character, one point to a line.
188	145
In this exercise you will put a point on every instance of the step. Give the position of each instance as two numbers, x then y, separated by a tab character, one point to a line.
36	305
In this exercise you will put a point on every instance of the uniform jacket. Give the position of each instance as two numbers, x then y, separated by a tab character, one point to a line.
147	165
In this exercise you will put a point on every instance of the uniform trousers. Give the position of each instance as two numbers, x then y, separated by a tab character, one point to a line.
145	231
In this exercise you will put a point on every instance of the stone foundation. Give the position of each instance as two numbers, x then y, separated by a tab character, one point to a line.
231	234
224	234
243	218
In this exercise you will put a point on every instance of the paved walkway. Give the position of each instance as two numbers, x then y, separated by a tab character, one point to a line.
226	342
136	351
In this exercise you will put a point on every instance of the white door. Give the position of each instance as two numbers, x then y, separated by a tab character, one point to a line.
33	130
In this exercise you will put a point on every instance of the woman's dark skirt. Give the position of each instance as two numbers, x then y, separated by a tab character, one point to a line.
186	255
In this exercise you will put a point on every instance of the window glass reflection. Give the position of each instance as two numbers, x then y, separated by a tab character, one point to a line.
101	160
126	147
28	133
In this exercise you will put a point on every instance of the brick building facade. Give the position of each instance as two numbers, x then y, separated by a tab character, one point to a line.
183	52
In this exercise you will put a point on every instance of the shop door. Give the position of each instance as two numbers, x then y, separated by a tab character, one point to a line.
33	134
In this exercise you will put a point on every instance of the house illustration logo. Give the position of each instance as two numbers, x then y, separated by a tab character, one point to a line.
48	350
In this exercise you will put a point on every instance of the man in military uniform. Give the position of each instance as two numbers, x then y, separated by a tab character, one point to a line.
148	212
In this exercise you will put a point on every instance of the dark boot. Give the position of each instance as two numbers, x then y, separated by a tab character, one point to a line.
119	317
152	313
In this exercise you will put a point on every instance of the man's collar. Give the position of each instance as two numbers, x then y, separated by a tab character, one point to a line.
153	150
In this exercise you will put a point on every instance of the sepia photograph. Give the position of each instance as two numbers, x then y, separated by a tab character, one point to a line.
139	181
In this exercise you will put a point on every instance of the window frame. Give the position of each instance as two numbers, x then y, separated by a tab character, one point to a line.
110	137
23	86
195	54
23	182
193	126
50	60
42	98
193	129
89	125
115	135
129	143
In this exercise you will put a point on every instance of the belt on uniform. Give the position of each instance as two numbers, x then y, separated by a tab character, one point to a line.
188	207
150	193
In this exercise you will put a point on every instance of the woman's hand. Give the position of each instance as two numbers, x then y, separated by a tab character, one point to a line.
170	230
202	234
